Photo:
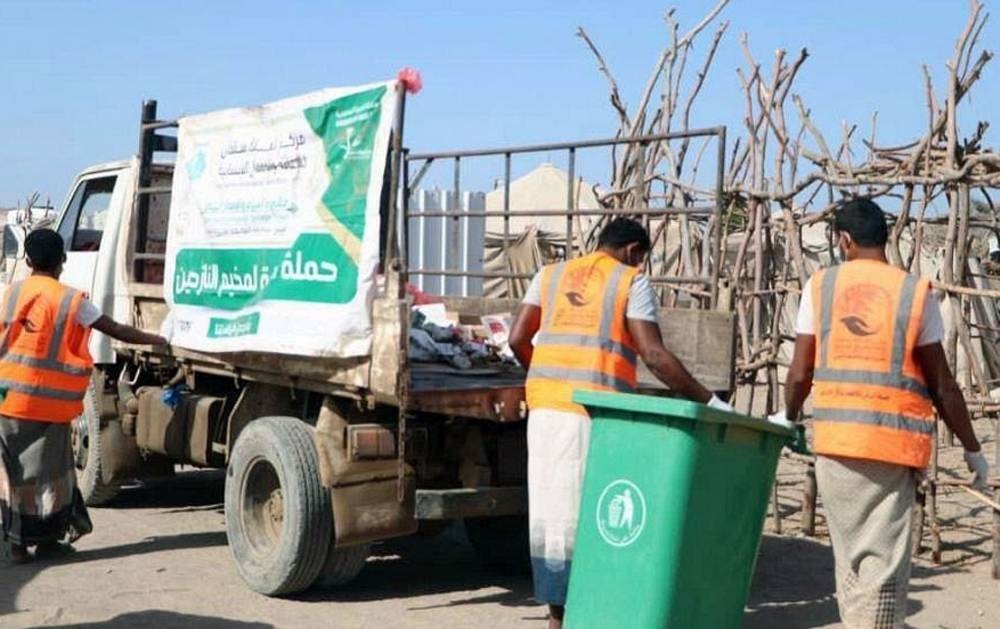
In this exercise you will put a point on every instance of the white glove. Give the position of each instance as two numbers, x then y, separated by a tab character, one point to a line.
718	404
979	468
779	419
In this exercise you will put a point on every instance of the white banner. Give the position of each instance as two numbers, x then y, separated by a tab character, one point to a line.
273	243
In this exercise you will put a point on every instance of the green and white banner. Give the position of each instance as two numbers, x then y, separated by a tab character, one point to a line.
273	243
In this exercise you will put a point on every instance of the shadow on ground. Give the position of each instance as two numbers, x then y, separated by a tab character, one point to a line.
794	585
424	565
189	490
14	577
162	619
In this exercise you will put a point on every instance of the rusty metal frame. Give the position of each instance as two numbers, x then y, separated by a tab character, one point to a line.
423	161
150	142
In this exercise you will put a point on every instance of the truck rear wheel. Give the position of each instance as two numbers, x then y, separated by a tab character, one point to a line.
87	452
342	565
501	543
278	515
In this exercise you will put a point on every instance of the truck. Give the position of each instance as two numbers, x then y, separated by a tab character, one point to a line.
324	456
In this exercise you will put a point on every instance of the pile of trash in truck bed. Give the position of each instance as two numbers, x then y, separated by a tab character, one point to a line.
439	336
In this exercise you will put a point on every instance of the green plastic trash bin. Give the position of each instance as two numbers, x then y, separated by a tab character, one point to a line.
674	499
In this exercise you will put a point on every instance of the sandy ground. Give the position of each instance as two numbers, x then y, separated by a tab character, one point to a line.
159	559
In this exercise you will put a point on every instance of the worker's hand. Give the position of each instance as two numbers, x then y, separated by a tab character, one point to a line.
716	403
779	419
979	468
800	445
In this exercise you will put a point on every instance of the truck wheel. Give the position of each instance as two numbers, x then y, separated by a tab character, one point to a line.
86	432
342	565
279	520
501	543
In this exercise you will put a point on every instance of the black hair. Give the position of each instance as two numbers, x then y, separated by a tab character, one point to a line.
624	231
45	250
864	221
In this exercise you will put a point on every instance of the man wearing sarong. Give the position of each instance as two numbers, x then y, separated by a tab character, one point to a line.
45	369
582	325
868	346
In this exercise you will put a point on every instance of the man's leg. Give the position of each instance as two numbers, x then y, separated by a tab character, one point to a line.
556	616
868	511
557	450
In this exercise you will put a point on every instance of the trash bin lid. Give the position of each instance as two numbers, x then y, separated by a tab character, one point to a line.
659	409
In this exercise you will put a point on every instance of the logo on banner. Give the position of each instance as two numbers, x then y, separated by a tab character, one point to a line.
621	513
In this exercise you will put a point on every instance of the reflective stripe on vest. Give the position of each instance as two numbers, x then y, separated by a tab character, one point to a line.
884	413
44	361
574	353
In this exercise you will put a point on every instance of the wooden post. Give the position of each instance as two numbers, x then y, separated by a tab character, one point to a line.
932	505
917	525
775	508
996	543
809	502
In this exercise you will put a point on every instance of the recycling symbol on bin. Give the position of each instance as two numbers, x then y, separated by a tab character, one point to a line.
621	513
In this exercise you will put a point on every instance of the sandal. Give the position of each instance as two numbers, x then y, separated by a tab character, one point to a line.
18	554
53	550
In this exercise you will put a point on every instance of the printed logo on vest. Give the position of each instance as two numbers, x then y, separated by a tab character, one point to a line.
584	286
866	305
621	513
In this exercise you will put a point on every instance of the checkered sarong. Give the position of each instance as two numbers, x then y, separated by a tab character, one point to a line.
37	480
868	506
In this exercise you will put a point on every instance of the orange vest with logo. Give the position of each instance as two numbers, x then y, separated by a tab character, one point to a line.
870	400
583	342
45	363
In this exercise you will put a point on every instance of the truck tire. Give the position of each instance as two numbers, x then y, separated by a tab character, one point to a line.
279	521
342	565
501	543
87	453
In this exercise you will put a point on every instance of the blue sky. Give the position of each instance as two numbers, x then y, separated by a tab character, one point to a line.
73	74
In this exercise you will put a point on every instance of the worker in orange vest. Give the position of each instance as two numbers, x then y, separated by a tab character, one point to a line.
583	324
868	346
45	370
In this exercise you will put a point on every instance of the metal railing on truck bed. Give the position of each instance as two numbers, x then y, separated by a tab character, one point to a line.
701	335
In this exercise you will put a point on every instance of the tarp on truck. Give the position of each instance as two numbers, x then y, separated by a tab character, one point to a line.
273	242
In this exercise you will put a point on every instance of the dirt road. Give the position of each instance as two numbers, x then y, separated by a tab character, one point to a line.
159	559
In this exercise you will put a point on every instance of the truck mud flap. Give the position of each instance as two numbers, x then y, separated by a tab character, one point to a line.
368	503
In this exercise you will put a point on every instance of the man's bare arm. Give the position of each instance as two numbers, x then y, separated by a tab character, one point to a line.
663	363
126	333
798	382
523	330
947	397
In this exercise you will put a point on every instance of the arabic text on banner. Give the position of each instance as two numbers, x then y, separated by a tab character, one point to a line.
274	224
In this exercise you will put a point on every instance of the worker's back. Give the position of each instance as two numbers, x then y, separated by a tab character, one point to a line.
44	360
583	341
871	400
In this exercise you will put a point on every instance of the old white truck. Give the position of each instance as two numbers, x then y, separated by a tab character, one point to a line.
324	455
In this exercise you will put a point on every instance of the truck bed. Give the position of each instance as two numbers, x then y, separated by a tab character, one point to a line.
495	393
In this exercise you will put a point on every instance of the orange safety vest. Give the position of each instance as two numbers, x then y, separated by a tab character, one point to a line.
45	362
870	397
583	342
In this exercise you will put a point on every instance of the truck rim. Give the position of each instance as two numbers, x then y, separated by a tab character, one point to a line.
78	436
263	507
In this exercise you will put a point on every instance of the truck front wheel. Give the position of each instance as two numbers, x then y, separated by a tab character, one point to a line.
279	520
87	452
